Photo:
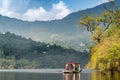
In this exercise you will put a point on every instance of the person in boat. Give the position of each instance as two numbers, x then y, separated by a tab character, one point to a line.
78	69
73	67
67	67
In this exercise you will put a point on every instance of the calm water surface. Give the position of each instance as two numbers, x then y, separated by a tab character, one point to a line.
55	74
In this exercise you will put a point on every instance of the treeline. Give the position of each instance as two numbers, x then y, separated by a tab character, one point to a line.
18	52
105	31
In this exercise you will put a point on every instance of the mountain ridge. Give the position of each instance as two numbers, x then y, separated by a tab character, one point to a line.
64	31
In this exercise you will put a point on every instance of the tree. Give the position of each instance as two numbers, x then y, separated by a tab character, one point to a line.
98	25
106	55
114	10
93	25
90	23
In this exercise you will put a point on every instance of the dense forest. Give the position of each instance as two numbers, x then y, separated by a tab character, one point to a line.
21	53
105	31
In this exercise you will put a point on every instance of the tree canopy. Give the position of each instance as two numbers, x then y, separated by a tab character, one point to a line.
105	29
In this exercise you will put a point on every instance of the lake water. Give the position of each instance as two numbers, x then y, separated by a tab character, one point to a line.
55	74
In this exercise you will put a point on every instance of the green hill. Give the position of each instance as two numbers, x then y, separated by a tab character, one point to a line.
57	31
19	52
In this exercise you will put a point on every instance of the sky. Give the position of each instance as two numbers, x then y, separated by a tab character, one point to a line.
44	10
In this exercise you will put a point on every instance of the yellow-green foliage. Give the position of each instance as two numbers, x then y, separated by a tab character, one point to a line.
107	50
105	30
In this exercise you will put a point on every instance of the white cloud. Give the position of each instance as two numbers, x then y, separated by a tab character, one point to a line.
34	14
6	12
104	1
58	11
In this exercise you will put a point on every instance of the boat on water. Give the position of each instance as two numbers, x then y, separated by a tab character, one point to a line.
72	68
67	71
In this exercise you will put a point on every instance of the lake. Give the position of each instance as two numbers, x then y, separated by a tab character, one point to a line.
55	74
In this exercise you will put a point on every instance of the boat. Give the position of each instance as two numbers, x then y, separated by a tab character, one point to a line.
67	71
72	68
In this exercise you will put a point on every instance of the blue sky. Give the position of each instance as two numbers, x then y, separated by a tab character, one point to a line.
44	10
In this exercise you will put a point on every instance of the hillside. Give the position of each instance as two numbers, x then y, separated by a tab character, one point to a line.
19	52
64	32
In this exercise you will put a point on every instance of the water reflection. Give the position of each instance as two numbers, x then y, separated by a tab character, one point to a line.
94	75
84	75
108	76
29	76
72	76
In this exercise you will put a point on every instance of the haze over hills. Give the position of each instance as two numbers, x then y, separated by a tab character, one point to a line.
19	52
64	32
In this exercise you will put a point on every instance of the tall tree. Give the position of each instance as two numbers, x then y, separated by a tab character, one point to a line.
98	25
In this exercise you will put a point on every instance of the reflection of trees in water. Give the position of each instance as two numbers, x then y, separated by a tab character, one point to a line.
108	76
72	76
94	75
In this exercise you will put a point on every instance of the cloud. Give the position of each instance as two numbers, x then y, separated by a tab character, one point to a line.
104	1
58	11
5	12
34	14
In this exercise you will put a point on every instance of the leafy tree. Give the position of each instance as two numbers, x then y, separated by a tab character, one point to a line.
105	30
98	25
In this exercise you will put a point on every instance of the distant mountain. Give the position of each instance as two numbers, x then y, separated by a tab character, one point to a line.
64	32
19	52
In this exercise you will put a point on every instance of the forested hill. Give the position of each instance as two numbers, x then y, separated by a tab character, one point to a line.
19	52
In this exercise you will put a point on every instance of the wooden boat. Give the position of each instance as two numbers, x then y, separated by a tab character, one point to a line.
68	71
72	68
